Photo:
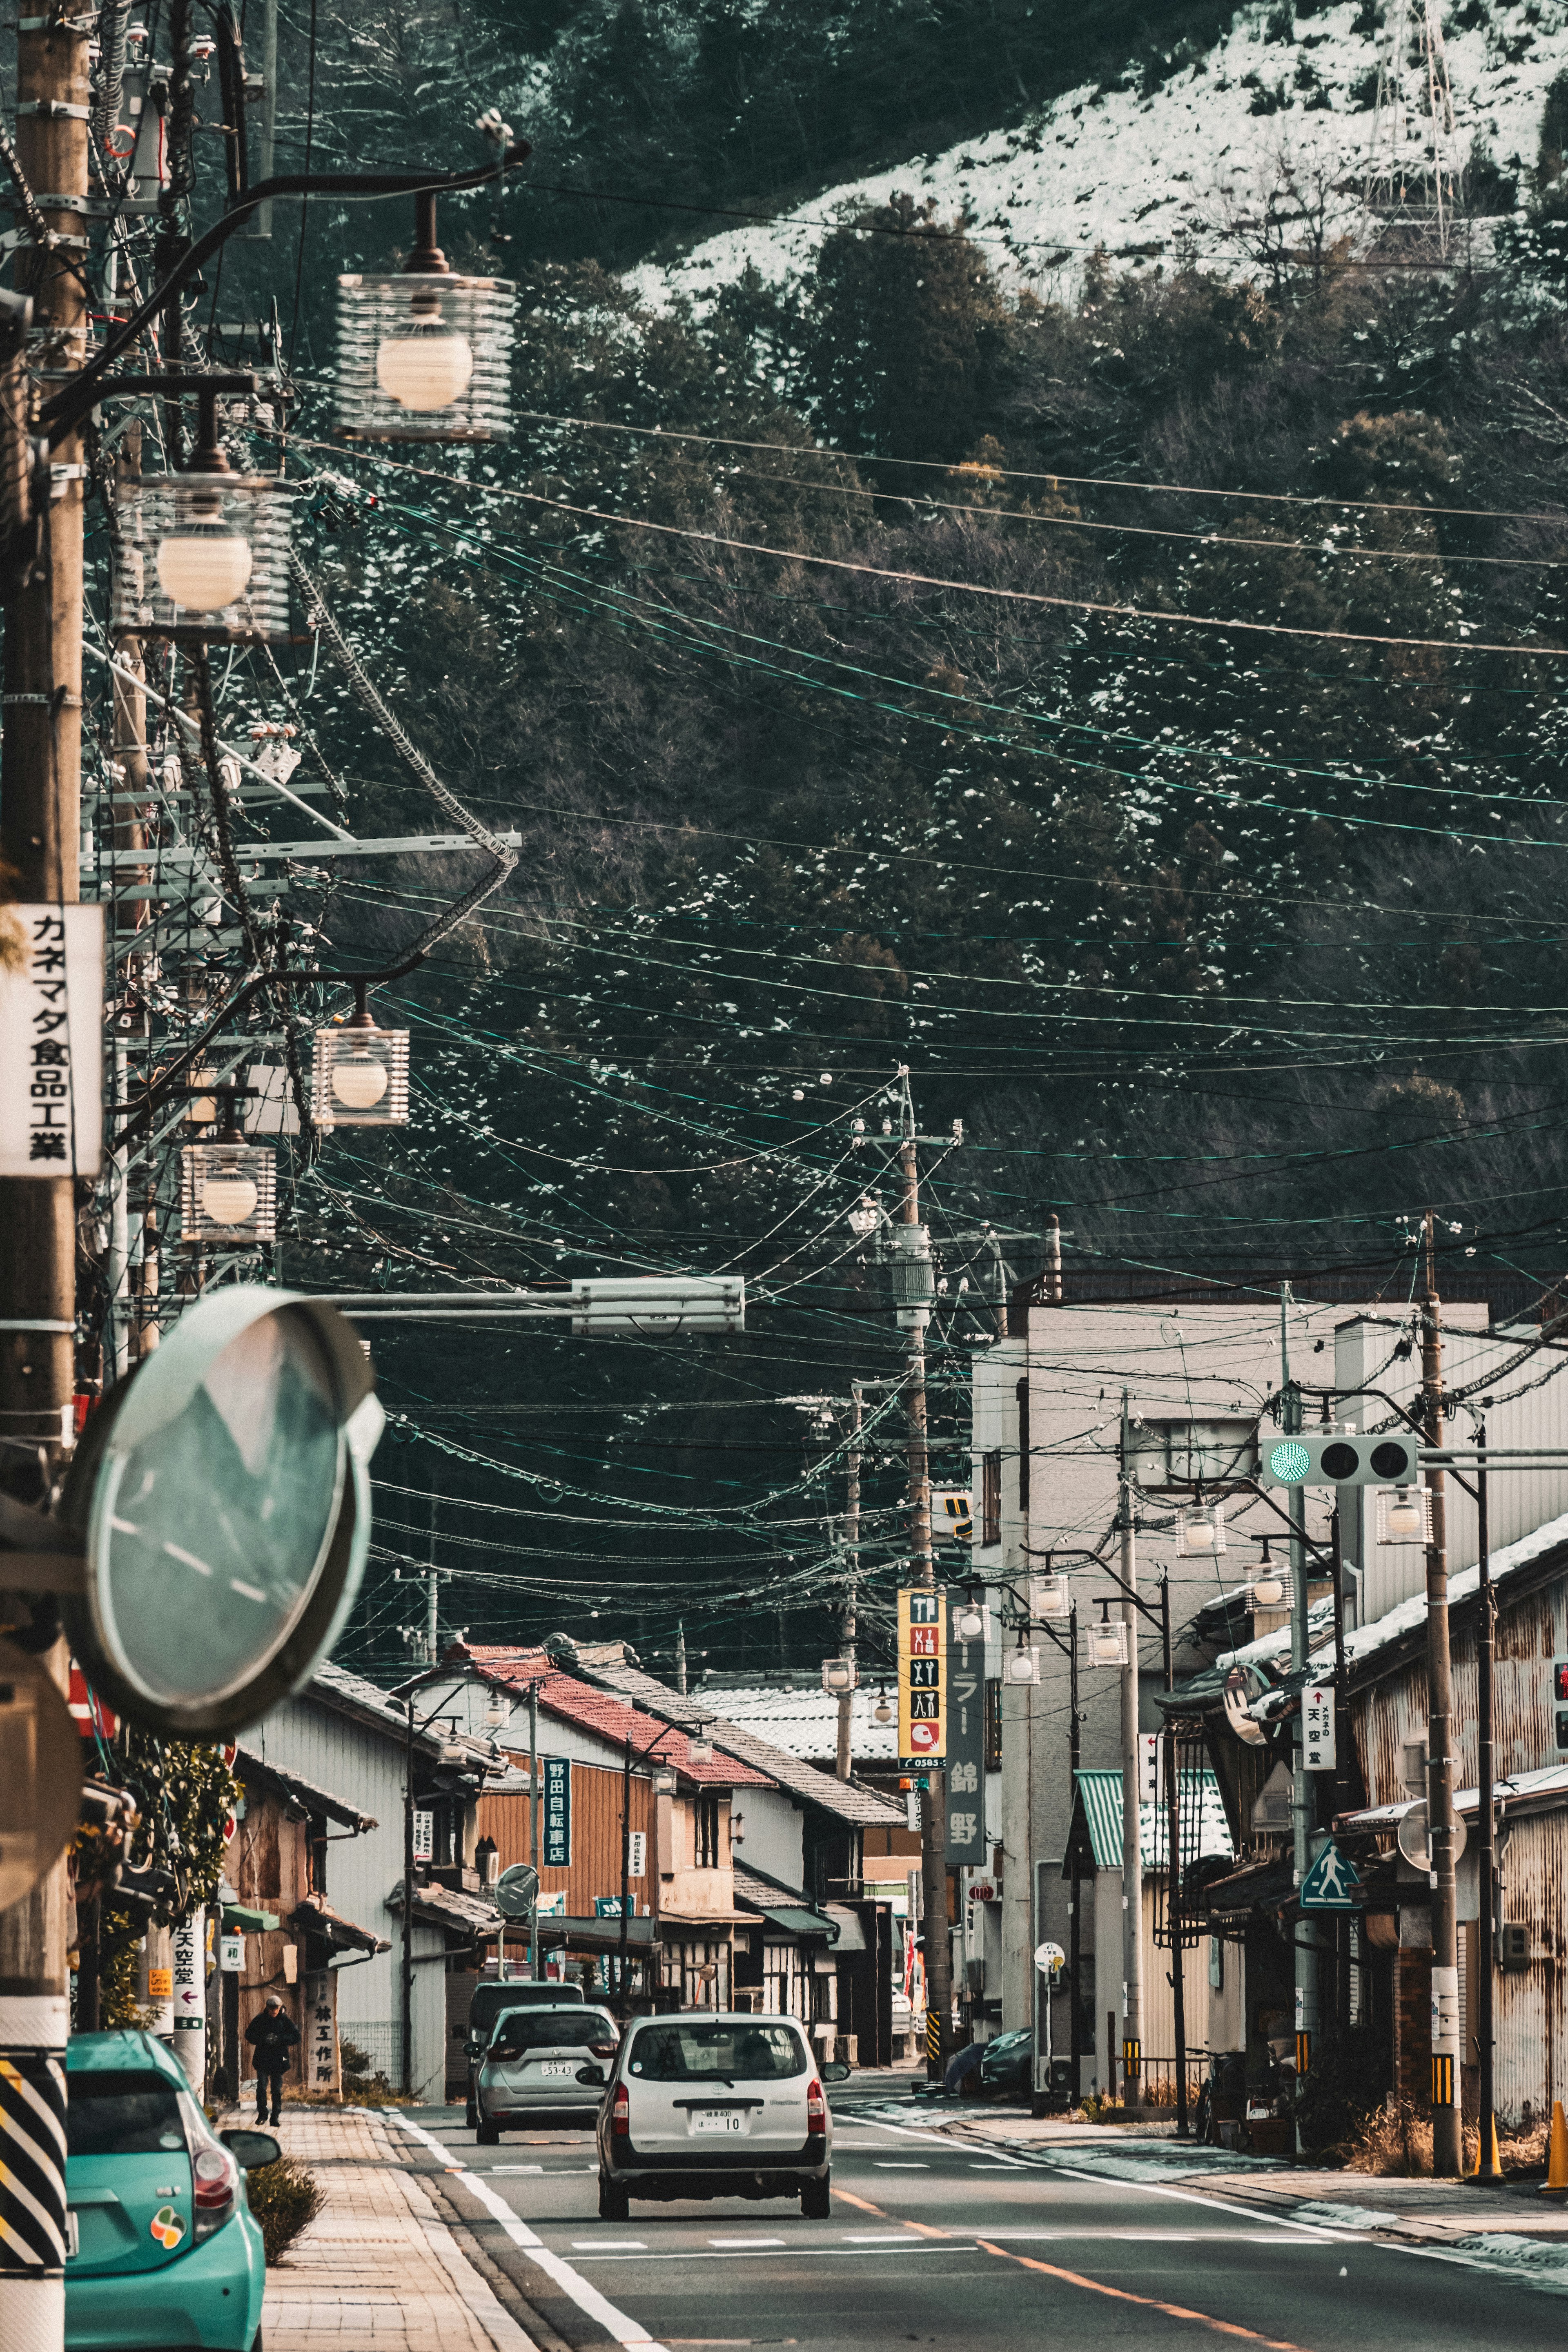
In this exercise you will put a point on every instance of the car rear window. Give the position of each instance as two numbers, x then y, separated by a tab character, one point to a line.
718	2053
552	2029
122	2113
490	2000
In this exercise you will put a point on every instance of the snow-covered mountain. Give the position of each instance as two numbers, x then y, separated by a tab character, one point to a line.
1148	174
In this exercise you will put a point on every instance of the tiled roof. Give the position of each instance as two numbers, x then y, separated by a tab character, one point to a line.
1100	1795
571	1701
336	1687
840	1798
307	1793
805	1723
469	1914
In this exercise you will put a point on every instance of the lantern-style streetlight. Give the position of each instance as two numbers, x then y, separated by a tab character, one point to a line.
359	1073
1108	1645
201	555
1201	1530
424	353
1403	1515
228	1187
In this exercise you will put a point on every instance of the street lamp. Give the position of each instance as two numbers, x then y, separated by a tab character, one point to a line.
202	555
969	1619
839	1674
1108	1639
360	1074
425	355
1201	1529
1403	1515
228	1187
1267	1585
1021	1666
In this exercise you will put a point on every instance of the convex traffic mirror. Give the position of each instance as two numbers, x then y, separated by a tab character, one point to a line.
222	1497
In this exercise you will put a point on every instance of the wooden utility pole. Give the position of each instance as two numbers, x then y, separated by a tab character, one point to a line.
1486	1823
1447	2134
852	1557
40	835
922	1572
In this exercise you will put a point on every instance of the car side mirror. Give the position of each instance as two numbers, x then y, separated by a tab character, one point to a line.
473	2048
251	2150
837	2070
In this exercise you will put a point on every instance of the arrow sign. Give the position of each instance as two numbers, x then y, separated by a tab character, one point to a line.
1331	1884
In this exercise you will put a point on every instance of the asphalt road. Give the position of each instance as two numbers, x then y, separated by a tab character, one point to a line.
934	2243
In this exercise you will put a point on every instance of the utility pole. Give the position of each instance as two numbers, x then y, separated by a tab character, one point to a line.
1447	2136
1131	1856
40	844
680	1655
1173	1921
1303	1795
406	1989
912	1259
1486	1859
852	1557
1074	1927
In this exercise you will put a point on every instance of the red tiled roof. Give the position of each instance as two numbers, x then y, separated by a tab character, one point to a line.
571	1701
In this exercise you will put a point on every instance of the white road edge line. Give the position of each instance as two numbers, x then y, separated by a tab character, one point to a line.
587	2298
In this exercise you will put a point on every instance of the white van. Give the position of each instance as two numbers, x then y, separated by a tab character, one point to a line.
716	2104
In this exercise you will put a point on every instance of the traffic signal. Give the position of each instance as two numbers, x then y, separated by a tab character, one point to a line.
1337	1457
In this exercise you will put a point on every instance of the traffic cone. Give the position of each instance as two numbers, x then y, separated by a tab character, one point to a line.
1487	2167
1556	2181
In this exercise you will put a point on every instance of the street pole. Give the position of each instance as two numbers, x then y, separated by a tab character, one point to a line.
625	1938
1343	1925
1131	1857
534	1819
40	847
1487	2167
852	1551
1173	1874
922	1572
680	1655
1303	1796
407	2077
1075	1927
1448	2134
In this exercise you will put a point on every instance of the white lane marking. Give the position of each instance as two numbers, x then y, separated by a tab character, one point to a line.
746	2242
877	2238
609	2245
587	2298
898	2164
514	2167
1185	2197
1163	2237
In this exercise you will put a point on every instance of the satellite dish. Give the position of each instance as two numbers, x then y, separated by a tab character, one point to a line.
517	1891
222	1497
1415	1841
40	1770
1235	1709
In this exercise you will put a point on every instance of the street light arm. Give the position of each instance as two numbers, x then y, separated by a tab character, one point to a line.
66	410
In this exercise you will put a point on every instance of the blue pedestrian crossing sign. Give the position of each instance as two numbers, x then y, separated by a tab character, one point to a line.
1332	1884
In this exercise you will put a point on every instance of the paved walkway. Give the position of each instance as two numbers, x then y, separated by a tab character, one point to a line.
377	2270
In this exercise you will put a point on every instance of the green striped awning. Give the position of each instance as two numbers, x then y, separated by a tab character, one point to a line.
1098	1808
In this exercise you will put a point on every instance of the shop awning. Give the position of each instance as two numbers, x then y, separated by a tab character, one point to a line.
557	1929
247	1922
851	1934
1266	1888
791	1920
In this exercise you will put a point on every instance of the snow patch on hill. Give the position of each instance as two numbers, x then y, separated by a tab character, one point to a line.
1152	178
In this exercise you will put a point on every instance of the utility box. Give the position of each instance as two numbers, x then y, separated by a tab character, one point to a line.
1514	1952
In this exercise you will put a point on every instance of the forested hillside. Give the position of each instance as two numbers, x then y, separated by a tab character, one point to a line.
1139	713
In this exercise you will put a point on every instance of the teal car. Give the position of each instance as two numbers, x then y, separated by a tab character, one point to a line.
161	2246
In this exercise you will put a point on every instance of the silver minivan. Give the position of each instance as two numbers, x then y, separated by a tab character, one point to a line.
542	2061
716	2104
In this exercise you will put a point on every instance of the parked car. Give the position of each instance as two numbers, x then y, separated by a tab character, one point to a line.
1004	2069
489	1999
543	2062
161	2247
717	2103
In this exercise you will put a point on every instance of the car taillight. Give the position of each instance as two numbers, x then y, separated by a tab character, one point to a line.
215	2178
602	2048
816	2108
621	2113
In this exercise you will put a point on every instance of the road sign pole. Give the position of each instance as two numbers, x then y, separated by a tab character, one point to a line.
1132	1855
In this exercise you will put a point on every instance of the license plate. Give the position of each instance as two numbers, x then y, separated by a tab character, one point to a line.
557	2066
73	2233
730	2121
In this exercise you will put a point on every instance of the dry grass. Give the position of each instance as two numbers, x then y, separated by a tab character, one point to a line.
1396	2142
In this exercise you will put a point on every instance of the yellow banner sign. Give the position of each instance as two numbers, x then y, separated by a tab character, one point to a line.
922	1676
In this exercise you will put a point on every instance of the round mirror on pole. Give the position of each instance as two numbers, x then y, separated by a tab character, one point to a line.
222	1495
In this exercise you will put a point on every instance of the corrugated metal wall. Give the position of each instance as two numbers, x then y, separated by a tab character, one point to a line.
1531	2004
1529	1636
596	1866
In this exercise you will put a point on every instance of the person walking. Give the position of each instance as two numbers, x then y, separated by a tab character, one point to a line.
272	2036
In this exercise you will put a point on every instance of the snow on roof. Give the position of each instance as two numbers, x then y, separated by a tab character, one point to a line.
1270	1649
1136	174
805	1722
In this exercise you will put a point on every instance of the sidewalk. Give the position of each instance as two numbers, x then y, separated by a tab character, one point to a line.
376	2271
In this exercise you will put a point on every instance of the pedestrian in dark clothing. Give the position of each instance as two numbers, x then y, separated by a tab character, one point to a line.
271	2035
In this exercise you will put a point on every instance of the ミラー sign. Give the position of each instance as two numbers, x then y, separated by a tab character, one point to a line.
922	1675
51	1052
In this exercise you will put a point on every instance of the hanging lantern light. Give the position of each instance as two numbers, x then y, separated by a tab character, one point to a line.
1050	1598
425	355
971	1621
228	1187
1403	1515
1108	1639
1021	1666
359	1073
203	555
1201	1529
1268	1584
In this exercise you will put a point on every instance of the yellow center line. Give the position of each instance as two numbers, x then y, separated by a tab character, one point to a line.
1150	2302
